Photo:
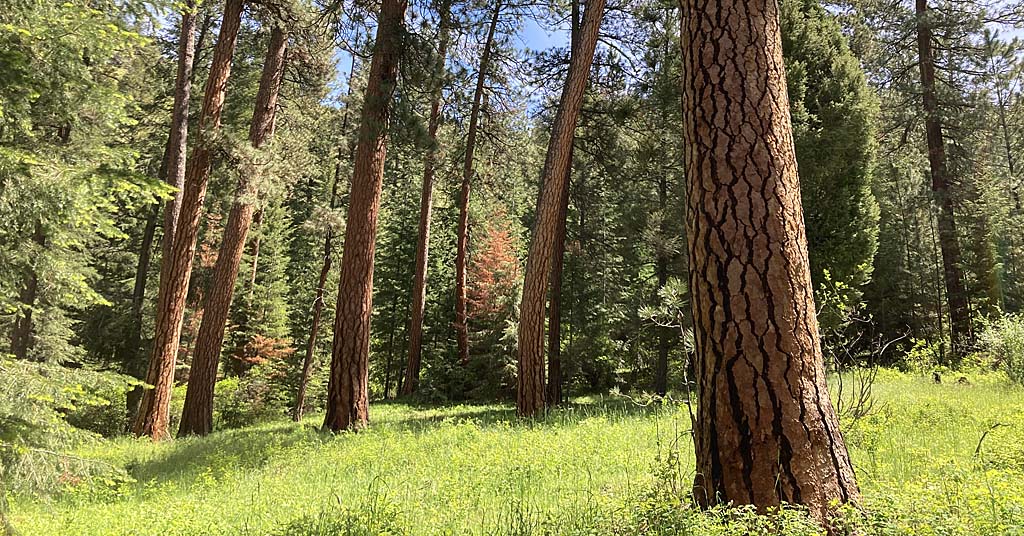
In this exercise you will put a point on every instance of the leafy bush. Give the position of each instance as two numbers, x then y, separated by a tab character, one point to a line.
36	402
249	399
1003	339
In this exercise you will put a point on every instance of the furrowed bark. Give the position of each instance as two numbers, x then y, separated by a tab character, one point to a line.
419	284
153	416
348	396
530	384
765	430
197	414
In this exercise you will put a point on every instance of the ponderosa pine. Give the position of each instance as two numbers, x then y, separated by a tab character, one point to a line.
419	282
553	396
462	233
348	386
765	430
172	171
154	411
197	414
949	243
530	383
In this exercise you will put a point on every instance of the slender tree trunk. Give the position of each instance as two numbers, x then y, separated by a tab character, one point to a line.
172	171
462	233
531	388
348	397
318	300
554	387
256	223
661	267
952	271
197	414
177	142
765	429
23	332
419	282
132	359
153	417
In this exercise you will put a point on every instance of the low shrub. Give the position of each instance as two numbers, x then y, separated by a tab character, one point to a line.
1003	340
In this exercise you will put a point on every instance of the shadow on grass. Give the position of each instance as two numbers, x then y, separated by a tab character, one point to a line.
226	452
223	452
424	416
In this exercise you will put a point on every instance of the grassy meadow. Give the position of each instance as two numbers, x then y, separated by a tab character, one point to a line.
601	466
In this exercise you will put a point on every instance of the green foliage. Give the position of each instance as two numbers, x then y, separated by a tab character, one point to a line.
38	403
834	115
1003	340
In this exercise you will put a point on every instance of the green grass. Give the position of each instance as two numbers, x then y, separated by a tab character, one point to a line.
600	467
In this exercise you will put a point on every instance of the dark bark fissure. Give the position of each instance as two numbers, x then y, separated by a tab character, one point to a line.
765	430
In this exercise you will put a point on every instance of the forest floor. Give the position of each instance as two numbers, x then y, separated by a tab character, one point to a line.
601	466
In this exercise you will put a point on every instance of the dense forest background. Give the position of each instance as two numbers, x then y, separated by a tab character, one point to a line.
912	268
86	106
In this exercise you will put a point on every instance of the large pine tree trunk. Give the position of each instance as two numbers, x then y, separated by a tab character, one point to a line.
325	268
462	233
554	387
530	392
419	282
197	415
949	244
153	416
348	396
765	429
172	171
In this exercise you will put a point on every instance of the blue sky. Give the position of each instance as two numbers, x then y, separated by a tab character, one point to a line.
534	37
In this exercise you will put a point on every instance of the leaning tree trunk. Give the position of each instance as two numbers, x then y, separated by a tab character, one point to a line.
318	299
348	396
419	282
173	172
949	244
765	430
554	387
530	392
154	410
462	233
197	415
